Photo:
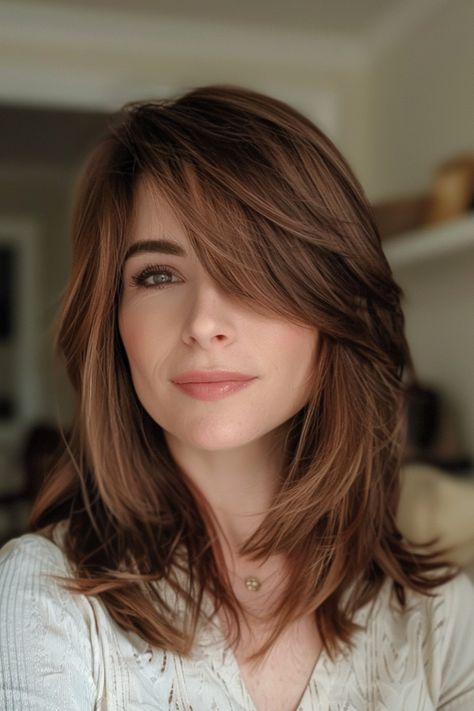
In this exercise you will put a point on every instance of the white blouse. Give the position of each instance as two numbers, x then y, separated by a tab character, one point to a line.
63	652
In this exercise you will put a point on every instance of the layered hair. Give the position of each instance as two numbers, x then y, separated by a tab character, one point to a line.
279	221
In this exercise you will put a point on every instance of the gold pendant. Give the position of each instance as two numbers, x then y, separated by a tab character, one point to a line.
252	583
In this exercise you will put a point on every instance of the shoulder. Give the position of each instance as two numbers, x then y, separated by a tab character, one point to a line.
33	549
45	631
447	613
29	591
443	604
453	619
432	635
456	599
32	560
440	607
32	569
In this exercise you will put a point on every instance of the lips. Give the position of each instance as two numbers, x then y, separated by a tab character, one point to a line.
212	384
214	390
211	376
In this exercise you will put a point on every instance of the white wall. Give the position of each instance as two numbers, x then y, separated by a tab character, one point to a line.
439	298
422	100
421	112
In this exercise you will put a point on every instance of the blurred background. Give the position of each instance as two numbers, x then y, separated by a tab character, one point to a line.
388	80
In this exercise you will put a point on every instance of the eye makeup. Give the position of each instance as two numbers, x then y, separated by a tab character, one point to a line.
139	280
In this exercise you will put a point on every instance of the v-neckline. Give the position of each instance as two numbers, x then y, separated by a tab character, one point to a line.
322	659
306	690
214	645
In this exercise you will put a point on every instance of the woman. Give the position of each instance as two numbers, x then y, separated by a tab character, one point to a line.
220	530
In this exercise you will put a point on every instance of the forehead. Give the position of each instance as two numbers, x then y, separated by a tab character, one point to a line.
153	217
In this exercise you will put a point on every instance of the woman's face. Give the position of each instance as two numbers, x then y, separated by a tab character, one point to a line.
189	324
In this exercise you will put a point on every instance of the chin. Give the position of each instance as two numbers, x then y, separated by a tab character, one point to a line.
213	439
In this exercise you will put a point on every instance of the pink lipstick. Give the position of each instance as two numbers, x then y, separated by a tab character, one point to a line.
211	384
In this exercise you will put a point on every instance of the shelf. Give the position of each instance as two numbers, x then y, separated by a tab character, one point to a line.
440	240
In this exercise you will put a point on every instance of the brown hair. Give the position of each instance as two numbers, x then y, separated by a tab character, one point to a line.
278	219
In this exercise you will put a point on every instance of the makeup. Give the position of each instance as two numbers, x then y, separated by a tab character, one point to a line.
213	391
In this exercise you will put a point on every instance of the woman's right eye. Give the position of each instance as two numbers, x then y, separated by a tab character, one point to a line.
148	274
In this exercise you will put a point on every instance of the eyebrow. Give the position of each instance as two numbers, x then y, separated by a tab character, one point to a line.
164	246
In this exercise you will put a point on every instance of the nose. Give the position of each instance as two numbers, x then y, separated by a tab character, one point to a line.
209	318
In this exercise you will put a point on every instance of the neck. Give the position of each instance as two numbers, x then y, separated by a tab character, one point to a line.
239	484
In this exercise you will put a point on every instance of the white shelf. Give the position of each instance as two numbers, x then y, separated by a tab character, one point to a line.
437	241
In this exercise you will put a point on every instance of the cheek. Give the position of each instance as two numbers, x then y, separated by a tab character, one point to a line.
133	332
127	329
299	346
299	351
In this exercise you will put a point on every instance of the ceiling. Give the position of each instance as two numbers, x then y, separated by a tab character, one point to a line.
31	135
348	17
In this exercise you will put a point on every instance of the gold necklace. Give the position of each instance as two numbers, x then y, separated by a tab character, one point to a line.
252	583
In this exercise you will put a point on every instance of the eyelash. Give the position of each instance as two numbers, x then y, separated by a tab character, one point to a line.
151	269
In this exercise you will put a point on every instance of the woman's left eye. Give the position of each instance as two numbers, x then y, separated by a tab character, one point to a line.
148	274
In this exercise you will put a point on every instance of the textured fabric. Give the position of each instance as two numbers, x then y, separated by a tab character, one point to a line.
62	652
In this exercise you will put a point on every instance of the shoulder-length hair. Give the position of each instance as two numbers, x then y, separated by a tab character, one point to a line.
279	220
